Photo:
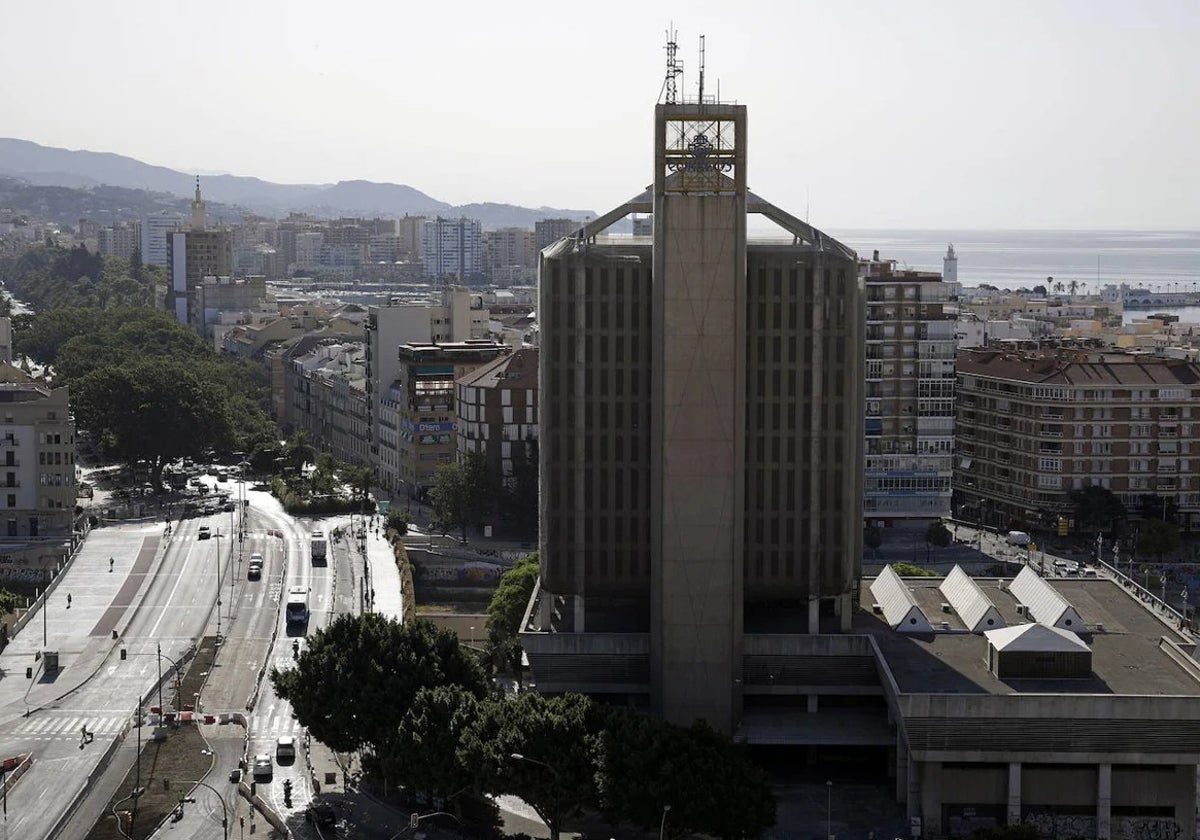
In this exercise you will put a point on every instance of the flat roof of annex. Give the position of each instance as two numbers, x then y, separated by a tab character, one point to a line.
1126	639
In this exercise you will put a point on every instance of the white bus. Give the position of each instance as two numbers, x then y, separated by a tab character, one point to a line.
297	605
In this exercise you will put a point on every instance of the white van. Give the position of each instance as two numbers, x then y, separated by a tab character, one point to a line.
1018	538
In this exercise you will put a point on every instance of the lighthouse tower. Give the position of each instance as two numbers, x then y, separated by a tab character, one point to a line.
950	266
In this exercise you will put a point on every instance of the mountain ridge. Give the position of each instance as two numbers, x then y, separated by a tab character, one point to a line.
83	169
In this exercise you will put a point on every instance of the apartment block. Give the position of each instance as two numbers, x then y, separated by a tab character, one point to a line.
119	240
327	389
37	458
452	248
548	231
421	400
910	347
459	315
1033	426
497	411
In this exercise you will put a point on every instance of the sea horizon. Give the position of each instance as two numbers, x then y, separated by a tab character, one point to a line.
1016	258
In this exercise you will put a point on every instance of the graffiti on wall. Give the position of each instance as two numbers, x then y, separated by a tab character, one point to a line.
1145	828
1061	825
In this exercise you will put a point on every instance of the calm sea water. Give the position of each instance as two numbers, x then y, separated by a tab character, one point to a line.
1165	260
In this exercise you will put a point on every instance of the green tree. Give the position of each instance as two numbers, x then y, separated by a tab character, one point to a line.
937	535
539	748
1157	538
519	498
462	493
426	756
163	411
505	612
645	764
299	451
872	539
361	672
1096	508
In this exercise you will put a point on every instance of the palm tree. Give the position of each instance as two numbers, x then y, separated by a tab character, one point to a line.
299	451
1073	285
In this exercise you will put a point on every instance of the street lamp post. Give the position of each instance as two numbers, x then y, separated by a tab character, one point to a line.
662	825
829	810
221	799
554	830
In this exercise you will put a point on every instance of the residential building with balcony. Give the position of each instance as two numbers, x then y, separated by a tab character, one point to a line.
37	458
328	395
421	405
910	348
1031	427
457	315
452	248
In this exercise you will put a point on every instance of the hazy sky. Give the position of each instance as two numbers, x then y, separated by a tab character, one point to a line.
904	113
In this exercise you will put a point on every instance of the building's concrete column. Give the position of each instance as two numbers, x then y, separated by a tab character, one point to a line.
579	626
902	771
846	602
813	703
1014	793
1104	803
931	798
814	615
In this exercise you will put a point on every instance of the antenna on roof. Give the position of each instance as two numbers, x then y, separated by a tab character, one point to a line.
674	69
701	70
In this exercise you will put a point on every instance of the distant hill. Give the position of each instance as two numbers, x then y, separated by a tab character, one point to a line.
46	166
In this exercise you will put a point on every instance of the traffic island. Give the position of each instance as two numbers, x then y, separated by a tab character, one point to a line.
173	757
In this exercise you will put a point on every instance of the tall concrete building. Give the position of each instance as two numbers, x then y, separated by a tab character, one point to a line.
156	227
453	248
701	439
193	254
548	231
910	395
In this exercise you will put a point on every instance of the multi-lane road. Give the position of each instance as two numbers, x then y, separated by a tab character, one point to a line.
160	592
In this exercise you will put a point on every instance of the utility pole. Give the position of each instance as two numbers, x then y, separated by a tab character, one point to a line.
160	705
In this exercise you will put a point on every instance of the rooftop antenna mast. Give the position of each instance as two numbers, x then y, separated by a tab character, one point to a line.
674	69
701	69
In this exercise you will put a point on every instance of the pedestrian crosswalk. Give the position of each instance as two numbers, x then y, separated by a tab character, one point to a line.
268	727
49	727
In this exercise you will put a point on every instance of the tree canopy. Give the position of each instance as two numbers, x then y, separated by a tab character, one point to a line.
1157	538
50	277
164	411
537	747
507	609
99	353
359	674
1097	509
462	493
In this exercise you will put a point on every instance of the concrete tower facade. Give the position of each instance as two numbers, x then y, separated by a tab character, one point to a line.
701	434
